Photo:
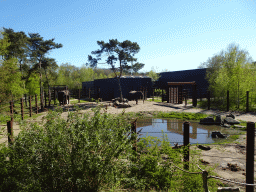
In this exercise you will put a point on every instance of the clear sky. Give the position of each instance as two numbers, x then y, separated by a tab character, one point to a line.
172	34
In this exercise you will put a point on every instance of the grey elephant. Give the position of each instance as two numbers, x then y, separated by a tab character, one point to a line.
63	97
135	95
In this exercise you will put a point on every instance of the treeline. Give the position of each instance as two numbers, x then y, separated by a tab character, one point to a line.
25	66
232	70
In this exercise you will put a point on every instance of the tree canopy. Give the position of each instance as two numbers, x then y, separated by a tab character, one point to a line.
232	69
119	56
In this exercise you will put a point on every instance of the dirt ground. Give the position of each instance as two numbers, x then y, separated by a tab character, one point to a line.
222	156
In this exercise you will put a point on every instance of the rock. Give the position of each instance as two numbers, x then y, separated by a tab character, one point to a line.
208	121
239	126
203	147
217	134
123	105
219	119
231	115
231	121
225	125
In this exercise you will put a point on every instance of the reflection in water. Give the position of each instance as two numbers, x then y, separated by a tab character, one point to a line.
174	130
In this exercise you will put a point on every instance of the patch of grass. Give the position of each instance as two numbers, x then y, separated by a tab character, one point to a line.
76	101
182	115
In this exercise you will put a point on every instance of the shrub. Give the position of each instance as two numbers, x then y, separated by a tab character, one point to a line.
77	154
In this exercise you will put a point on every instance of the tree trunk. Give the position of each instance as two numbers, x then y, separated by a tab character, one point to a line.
120	89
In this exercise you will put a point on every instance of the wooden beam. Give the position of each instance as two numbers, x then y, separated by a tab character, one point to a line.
181	83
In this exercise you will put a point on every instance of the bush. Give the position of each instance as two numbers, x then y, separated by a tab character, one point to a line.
91	154
65	155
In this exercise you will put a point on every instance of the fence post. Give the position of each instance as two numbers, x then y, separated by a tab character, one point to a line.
162	95
247	101
49	97
36	104
186	97
11	110
250	144
54	96
10	131
133	131
153	94
45	98
79	95
194	96
21	108
89	93
205	174
186	144
143	94
227	100
26	100
209	99
42	101
30	107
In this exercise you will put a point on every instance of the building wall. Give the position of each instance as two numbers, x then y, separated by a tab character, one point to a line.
108	89
197	75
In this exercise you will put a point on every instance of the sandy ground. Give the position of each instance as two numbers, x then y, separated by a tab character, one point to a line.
219	155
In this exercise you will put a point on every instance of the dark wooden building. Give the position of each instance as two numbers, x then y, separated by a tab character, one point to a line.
108	89
193	75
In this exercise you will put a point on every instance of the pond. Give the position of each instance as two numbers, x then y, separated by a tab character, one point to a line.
200	134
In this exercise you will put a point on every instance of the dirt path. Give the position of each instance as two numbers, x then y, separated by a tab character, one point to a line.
219	155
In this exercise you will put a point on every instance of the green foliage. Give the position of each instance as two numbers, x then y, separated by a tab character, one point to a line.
154	76
93	153
231	70
11	85
159	92
33	84
74	154
185	116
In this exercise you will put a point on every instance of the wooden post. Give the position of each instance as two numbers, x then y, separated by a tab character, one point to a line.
134	135
79	95
153	94
36	104
209	101
30	107
89	93
250	144
186	144
205	175
21	108
227	100
143	94
54	96
42	101
66	102
247	101
45	98
49	97
162	95
194	96
10	132
26	100
11	110
186	97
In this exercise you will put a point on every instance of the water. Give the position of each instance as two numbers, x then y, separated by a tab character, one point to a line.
200	134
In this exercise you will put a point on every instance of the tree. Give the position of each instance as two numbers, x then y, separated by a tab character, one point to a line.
11	85
123	52
153	75
18	47
229	70
39	48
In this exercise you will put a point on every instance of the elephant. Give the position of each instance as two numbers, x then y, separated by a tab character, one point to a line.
63	97
135	95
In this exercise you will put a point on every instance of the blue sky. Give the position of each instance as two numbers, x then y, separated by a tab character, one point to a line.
172	34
